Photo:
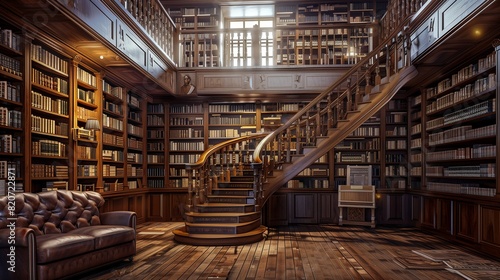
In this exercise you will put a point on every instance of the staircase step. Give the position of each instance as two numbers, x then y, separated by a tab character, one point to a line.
244	178
231	199
225	218
181	235
224	208
233	191
221	228
236	185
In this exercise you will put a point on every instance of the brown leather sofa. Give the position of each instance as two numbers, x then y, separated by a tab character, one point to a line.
56	234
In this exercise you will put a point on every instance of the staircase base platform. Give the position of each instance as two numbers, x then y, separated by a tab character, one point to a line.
256	235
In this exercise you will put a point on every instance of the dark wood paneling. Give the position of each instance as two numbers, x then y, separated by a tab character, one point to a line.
392	209
156	207
429	212
416	208
276	210
467	221
303	208
444	215
176	206
490	222
327	208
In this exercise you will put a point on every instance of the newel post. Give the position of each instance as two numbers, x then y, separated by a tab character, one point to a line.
258	192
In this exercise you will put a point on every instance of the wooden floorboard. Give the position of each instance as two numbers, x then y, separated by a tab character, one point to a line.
292	252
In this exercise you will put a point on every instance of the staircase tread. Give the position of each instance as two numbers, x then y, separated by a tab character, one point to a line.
224	204
224	214
220	224
182	232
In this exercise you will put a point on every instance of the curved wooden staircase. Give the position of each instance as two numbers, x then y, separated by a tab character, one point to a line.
226	189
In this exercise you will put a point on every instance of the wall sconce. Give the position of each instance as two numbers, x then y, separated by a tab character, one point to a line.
92	125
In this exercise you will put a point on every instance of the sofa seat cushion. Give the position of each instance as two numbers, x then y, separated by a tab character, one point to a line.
107	235
53	247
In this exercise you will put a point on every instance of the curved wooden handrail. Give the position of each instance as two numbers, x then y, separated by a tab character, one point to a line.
369	60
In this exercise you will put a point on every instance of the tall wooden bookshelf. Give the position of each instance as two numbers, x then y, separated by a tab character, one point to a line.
87	108
157	132
112	131
51	103
200	44
11	110
136	107
324	33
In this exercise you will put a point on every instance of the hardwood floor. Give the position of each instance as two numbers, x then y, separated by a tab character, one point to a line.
294	252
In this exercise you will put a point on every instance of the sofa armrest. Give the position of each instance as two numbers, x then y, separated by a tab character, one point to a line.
19	237
121	218
19	258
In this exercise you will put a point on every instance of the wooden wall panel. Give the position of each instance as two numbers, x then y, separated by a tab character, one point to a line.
156	207
429	212
416	209
328	208
444	216
303	208
467	221
176	206
276	210
490	225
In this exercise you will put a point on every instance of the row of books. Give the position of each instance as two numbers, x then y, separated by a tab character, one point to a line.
112	107
134	143
86	95
395	170
481	170
49	104
416	143
9	168
185	133
156	183
55	83
115	91
11	65
178	172
155	108
223	133
366	131
83	113
46	147
134	171
396	131
156	172
44	125
48	170
314	172
134	157
135	130
186	146
476	151
112	171
10	117
395	144
184	158
55	185
112	123
10	39
362	157
472	111
156	147
40	54
237	120
133	100
10	143
10	91
479	87
186	109
86	77
85	152
310	184
231	108
369	144
86	170
155	120
112	139
468	189
186	121
135	116
112	155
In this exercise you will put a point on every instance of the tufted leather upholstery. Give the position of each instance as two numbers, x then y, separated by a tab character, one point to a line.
55	230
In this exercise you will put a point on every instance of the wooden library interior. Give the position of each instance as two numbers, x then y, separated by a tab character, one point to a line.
262	139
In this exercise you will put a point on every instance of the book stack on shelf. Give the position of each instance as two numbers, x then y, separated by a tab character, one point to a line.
461	130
